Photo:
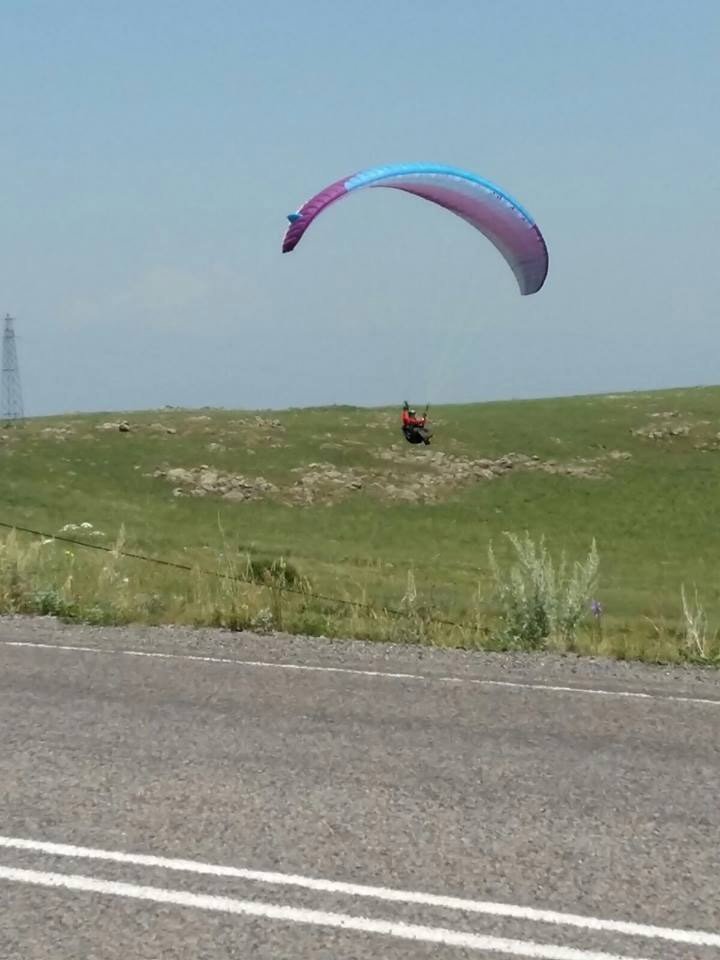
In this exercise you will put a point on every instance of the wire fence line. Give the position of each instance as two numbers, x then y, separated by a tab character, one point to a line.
189	568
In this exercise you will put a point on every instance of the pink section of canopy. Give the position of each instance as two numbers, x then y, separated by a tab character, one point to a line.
310	210
518	239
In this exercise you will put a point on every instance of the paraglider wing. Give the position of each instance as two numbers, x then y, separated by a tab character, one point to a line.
481	203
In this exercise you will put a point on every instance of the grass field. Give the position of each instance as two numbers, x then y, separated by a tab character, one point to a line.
360	514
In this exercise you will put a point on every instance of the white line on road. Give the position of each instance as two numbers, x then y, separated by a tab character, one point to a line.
697	938
319	918
356	671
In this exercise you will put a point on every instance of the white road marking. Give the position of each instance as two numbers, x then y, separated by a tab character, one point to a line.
358	672
697	938
319	918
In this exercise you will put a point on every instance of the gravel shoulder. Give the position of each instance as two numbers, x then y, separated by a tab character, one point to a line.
540	668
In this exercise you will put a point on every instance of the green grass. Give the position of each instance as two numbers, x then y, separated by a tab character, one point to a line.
652	515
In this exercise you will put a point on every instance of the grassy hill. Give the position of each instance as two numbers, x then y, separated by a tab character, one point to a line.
354	510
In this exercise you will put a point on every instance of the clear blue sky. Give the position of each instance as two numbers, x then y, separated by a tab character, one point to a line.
150	151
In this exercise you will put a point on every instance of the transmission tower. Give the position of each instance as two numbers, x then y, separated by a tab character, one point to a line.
11	403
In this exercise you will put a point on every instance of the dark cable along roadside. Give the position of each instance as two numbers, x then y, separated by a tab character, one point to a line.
187	568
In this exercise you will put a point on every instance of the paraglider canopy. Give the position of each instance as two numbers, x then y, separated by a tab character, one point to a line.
500	218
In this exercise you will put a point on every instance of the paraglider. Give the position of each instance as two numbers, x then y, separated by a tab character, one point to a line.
414	428
482	204
485	206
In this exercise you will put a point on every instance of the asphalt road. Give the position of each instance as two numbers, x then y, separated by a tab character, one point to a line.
328	796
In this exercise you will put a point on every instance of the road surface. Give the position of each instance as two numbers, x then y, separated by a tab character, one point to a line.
175	794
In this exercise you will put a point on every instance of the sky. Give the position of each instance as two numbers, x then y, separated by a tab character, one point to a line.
150	152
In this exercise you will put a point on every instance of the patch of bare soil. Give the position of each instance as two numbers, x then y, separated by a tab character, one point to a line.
203	481
57	433
667	425
425	478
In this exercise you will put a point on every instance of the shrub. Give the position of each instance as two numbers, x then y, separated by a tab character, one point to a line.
275	570
538	602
